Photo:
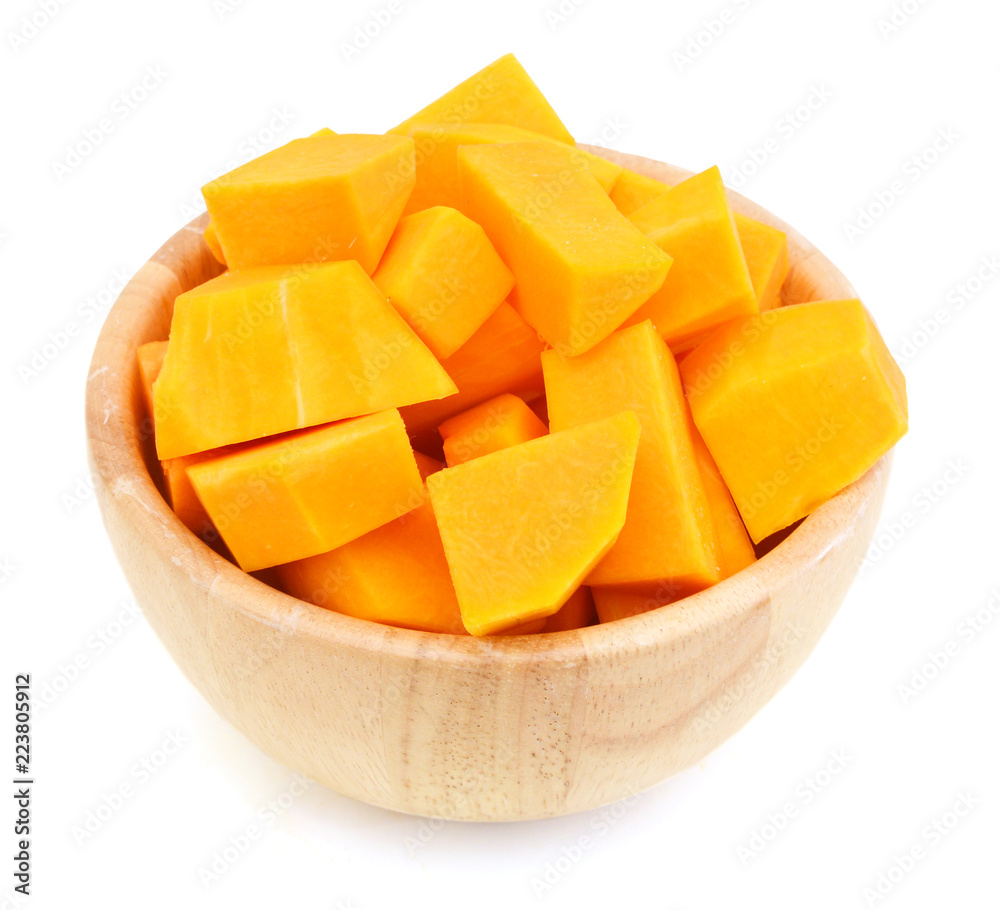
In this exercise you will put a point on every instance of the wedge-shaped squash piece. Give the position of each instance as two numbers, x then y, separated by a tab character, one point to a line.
396	574
709	282
212	240
443	276
765	249
181	494
260	351
504	355
496	424
733	546
577	613
523	527
499	93
631	191
580	268
437	159
310	492
794	405
150	356
618	603
668	538
322	198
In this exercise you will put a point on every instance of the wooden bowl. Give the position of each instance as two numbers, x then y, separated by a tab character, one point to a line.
449	726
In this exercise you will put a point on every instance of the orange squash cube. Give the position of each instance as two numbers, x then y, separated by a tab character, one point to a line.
577	613
631	191
496	424
499	93
150	356
709	282
503	355
733	545
765	249
522	527
795	404
443	276
580	267
303	494
396	574
436	151
322	198
668	538
262	351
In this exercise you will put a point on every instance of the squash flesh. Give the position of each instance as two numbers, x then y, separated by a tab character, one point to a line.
581	269
522	527
443	276
297	496
323	198
262	351
795	404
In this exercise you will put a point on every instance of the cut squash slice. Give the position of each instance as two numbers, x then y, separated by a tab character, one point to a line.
523	527
258	352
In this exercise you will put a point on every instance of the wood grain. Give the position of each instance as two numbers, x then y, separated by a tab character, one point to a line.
448	726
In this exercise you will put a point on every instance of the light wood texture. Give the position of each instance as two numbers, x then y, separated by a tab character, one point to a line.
447	726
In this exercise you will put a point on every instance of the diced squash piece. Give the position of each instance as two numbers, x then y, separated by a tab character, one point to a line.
436	151
580	268
496	424
499	93
181	494
668	538
317	199
616	603
504	355
577	613
523	527
733	545
709	282
631	191
443	276
260	351
396	574
765	249
150	356
310	492
795	404
212	241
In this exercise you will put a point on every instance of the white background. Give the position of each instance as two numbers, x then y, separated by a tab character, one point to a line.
233	76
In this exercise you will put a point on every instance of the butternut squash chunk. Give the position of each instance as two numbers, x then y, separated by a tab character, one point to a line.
765	249
396	574
436	151
285	499
616	603
212	240
577	613
709	282
150	356
499	93
522	527
580	267
631	191
734	547
496	424
443	276
261	351
795	404
503	355
322	198
668	538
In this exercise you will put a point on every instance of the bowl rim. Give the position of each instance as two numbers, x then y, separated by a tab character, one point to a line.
117	463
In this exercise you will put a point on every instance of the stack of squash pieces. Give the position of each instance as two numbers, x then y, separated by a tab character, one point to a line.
466	377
